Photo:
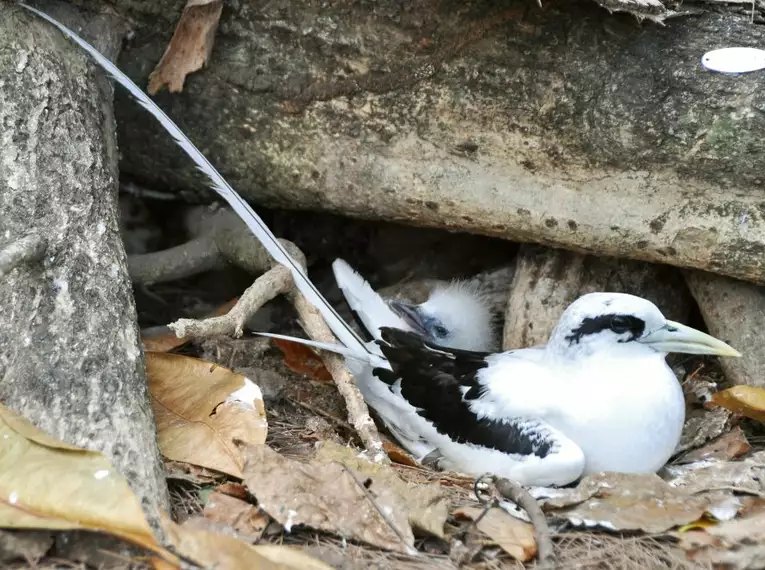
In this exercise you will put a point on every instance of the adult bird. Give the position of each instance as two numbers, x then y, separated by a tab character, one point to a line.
454	316
598	396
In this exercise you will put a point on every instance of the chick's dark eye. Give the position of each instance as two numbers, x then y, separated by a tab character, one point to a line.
620	324
440	331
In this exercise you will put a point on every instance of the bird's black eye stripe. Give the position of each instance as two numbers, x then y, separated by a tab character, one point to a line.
620	324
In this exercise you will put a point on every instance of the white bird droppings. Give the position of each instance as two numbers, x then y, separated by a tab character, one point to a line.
13	498
246	395
101	473
291	514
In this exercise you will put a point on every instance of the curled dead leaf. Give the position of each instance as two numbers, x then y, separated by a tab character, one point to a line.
190	47
514	536
726	447
201	408
398	455
213	550
620	502
748	401
49	484
247	520
736	544
303	360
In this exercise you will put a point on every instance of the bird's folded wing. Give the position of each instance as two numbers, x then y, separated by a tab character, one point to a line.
447	388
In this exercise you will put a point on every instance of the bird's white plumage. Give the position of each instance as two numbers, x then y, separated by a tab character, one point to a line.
600	392
465	315
371	308
454	305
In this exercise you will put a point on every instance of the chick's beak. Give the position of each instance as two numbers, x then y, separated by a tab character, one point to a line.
676	337
410	315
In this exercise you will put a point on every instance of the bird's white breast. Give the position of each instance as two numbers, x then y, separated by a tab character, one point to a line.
628	415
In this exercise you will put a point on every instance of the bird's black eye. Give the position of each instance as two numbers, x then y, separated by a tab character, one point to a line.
620	324
440	331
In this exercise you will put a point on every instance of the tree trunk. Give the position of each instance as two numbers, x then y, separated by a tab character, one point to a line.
70	355
565	126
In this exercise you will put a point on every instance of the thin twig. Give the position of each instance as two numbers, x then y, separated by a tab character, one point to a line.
409	548
358	412
521	497
266	287
23	250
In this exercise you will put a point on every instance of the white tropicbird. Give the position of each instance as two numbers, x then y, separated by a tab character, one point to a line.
454	316
598	397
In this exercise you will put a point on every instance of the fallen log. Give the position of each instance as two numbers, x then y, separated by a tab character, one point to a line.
566	126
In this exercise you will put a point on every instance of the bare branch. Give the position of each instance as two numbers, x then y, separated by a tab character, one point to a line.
272	283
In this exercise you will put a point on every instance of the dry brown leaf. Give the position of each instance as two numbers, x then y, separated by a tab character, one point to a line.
726	447
246	519
236	490
212	550
748	401
427	506
694	478
398	455
301	359
736	544
512	535
200	408
49	484
325	496
190	47
618	501
702	426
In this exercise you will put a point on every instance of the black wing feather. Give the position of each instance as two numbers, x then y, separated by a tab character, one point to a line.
432	380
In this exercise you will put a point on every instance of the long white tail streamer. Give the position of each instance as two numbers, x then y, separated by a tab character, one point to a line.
340	328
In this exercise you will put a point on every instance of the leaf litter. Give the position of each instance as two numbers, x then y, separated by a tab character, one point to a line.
48	484
337	491
328	497
201	408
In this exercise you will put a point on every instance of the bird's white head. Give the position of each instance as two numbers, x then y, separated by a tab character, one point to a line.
599	321
454	316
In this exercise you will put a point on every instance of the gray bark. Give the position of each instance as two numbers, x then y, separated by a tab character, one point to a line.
567	127
71	360
546	281
735	312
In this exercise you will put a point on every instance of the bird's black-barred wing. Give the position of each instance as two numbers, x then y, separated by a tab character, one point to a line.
442	382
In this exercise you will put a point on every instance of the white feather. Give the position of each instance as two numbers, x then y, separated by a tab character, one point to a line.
339	327
328	346
371	308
